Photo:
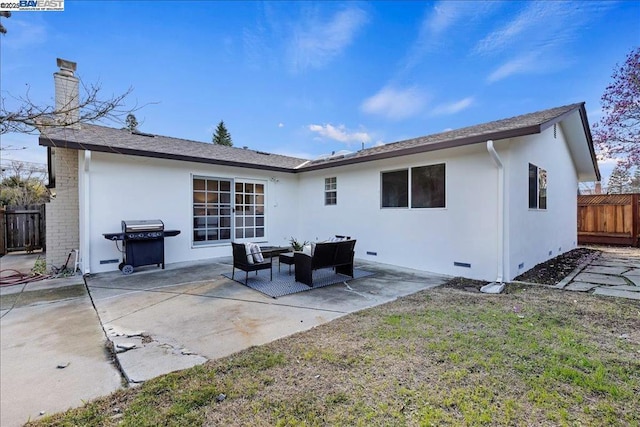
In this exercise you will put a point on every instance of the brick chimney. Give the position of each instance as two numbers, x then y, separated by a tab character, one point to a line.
67	93
598	189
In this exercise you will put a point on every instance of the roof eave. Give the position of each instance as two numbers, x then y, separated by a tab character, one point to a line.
454	143
587	132
62	143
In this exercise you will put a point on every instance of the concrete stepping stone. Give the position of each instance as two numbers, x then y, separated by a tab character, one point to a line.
604	263
600	279
617	270
608	291
635	278
580	286
626	288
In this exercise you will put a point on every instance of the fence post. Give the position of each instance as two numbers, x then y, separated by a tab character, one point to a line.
635	219
3	229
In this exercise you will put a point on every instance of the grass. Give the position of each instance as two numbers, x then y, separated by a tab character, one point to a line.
533	356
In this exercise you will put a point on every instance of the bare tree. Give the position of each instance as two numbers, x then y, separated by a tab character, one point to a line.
31	118
4	14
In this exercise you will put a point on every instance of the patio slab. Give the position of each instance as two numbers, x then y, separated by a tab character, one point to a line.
53	358
216	317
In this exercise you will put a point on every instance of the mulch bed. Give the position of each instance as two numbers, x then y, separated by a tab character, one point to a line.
556	269
546	273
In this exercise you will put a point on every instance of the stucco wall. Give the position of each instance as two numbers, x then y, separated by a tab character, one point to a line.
464	232
126	188
62	211
535	235
426	239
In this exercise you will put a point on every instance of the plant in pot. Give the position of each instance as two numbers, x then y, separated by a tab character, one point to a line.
296	245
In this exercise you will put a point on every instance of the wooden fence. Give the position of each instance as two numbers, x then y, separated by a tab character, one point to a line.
3	242
609	219
24	228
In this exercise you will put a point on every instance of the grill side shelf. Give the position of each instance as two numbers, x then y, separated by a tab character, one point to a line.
114	236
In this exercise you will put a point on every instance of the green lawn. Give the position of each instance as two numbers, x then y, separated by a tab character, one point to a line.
533	356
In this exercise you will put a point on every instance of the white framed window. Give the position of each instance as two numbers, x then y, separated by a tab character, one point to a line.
427	184
226	209
211	210
537	187
331	191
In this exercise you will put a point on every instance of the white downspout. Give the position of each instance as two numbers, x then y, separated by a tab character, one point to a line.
85	253
501	206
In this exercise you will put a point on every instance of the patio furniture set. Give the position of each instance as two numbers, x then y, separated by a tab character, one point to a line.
337	253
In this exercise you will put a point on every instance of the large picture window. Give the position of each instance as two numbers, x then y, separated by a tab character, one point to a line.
224	209
537	187
427	184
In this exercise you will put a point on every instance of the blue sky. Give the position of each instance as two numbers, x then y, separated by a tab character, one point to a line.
309	78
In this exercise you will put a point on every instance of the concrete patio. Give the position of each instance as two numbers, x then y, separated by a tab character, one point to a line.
156	321
58	337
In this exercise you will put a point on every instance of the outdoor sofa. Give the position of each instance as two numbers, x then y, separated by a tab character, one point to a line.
338	255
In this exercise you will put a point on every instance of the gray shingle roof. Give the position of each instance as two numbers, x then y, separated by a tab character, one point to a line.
122	141
105	139
526	124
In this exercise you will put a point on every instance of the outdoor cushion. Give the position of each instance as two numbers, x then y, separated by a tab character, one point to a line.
309	249
257	252
247	248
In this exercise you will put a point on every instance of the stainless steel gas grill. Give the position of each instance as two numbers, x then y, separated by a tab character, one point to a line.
143	243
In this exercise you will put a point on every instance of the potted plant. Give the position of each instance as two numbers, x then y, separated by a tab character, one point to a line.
296	245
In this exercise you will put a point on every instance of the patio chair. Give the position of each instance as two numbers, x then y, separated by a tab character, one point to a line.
240	261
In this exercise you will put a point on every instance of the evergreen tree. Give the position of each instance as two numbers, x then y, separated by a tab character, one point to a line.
635	181
132	123
619	181
222	136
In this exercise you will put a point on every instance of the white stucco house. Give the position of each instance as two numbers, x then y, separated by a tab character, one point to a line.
487	202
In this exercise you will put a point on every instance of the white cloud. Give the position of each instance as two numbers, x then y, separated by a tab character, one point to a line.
394	103
519	65
454	107
542	29
280	125
315	43
438	20
447	13
340	133
530	22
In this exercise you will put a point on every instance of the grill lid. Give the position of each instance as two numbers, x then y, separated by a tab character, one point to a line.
142	225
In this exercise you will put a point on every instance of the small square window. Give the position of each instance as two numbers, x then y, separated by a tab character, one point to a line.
331	191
